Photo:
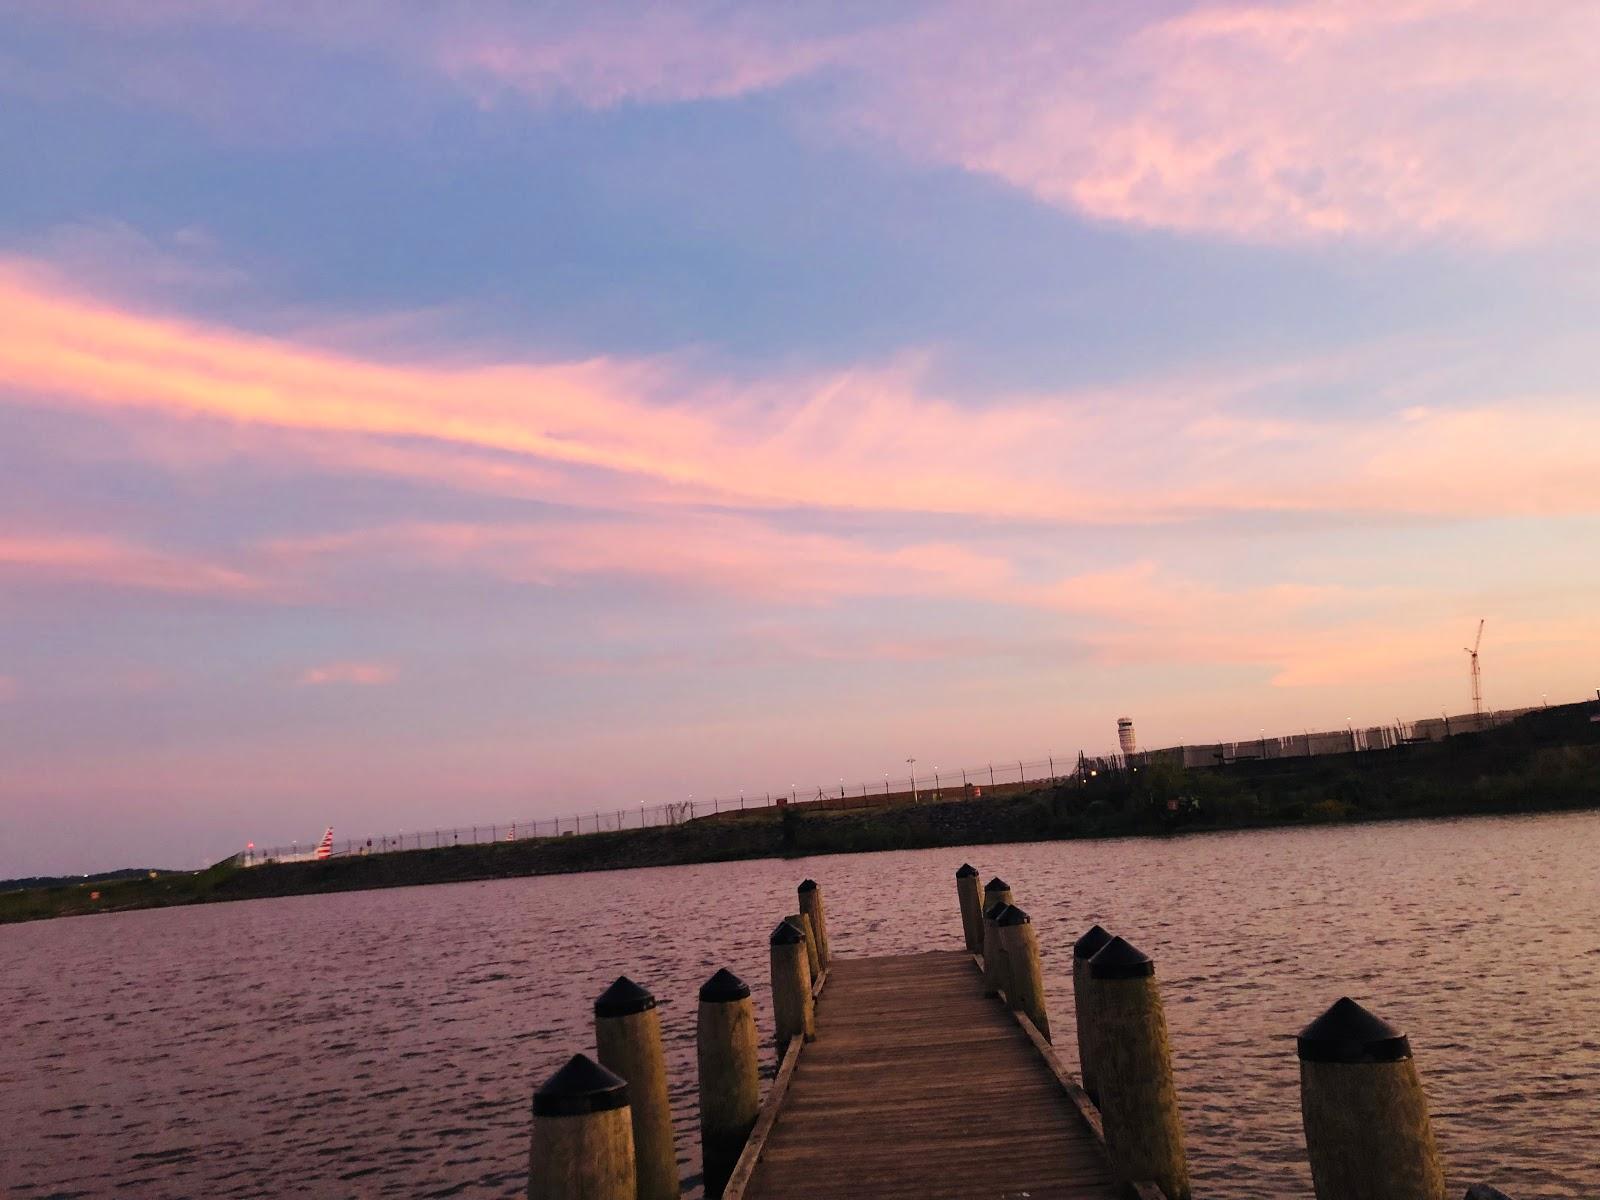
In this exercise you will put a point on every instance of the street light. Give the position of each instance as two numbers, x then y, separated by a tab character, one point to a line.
912	763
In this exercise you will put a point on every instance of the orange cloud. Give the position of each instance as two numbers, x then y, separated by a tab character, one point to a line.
648	436
358	674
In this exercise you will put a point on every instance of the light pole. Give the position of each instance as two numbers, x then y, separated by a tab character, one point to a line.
913	765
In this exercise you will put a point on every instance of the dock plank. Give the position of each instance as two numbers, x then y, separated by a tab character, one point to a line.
919	1086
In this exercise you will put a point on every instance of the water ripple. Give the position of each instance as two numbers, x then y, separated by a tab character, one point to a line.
386	1044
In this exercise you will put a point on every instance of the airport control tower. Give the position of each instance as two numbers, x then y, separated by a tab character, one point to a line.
1125	735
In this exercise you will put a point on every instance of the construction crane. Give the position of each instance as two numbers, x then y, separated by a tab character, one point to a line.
1477	678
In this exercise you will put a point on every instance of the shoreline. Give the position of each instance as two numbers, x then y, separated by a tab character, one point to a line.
1547	761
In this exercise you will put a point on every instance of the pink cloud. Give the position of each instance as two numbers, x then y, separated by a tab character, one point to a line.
72	558
651	436
652	55
9	689
714	553
356	674
1310	119
1271	122
1266	121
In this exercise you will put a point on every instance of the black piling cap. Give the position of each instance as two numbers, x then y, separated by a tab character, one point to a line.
582	1086
787	934
724	987
1013	916
1482	1191
997	885
1348	1033
807	885
622	999
1090	943
965	871
1118	960
992	913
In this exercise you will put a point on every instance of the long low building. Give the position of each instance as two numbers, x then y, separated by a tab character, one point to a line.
1313	743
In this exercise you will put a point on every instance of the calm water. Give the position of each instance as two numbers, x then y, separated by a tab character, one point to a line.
387	1043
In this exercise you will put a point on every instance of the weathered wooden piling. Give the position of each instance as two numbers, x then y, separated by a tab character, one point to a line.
1133	1065
811	905
730	1089
802	922
996	895
1083	950
582	1136
1366	1118
1024	979
792	1014
627	1036
970	898
994	954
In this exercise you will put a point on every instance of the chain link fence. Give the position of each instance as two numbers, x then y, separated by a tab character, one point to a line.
932	783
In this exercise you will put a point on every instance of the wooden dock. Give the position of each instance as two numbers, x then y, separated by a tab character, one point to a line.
918	1076
917	1085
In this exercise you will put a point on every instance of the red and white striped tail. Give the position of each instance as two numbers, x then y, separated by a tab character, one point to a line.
325	848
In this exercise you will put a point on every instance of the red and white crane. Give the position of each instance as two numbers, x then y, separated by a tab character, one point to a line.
1477	678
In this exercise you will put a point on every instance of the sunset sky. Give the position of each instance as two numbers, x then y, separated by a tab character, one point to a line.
427	414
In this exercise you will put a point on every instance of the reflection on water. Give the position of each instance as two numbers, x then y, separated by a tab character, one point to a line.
387	1043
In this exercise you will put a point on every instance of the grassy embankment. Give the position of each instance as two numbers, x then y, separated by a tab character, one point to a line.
1547	761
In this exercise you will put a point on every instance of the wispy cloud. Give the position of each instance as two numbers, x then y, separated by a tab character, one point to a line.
355	674
1278	122
54	558
1271	122
707	553
657	434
